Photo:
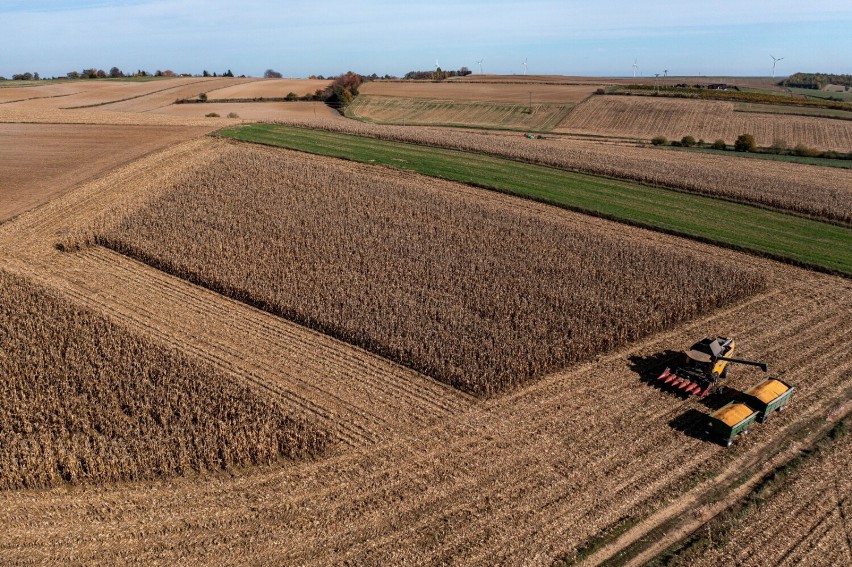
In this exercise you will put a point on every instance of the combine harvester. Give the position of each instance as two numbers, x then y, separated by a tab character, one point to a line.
707	364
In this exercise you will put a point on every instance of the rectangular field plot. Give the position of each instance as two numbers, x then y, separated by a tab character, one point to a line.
39	162
475	289
448	112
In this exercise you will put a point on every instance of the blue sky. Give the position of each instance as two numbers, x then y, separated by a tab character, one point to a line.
302	37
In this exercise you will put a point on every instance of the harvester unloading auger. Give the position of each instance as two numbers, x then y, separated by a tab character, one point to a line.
707	364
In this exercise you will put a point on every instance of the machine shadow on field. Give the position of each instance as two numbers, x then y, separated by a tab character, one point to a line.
649	367
690	423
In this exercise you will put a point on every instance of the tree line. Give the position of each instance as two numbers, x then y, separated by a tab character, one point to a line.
437	75
115	73
816	80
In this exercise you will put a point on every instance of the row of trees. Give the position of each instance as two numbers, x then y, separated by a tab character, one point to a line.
816	80
438	74
115	73
24	77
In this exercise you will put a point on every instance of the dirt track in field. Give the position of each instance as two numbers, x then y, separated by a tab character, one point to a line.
430	476
808	521
39	162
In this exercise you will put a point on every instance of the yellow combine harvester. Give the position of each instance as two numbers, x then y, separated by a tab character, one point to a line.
707	363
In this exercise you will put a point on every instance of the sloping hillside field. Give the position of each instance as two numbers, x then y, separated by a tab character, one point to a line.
416	273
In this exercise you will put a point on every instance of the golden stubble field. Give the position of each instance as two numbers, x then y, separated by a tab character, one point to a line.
423	474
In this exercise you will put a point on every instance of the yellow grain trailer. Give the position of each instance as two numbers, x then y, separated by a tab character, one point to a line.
769	396
729	421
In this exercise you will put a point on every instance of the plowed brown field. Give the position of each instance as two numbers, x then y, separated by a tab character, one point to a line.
646	117
41	161
431	477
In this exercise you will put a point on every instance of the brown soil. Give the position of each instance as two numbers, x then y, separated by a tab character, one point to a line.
38	162
432	477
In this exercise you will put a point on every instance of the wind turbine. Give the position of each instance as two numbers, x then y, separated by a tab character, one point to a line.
525	65
437	66
480	65
775	61
666	73
635	66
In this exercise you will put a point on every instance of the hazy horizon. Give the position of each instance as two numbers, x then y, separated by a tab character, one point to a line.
303	38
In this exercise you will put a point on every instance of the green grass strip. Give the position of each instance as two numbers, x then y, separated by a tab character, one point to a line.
789	238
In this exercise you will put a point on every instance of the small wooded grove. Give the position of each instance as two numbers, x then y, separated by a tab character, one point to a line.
816	80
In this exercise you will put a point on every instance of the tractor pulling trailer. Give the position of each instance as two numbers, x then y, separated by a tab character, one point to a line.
706	366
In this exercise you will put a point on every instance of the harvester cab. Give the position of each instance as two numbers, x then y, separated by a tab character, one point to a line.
706	365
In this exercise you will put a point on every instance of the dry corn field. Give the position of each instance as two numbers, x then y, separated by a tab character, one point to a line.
821	192
85	400
412	272
416	472
646	117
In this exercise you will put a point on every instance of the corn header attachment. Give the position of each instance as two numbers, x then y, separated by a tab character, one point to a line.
706	365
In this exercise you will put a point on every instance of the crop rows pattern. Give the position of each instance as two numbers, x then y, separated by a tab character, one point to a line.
82	399
646	117
449	285
398	110
820	192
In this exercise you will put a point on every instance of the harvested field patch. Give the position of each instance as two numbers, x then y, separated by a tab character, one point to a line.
260	112
269	88
793	110
412	272
467	91
85	400
40	161
646	117
805	519
411	111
